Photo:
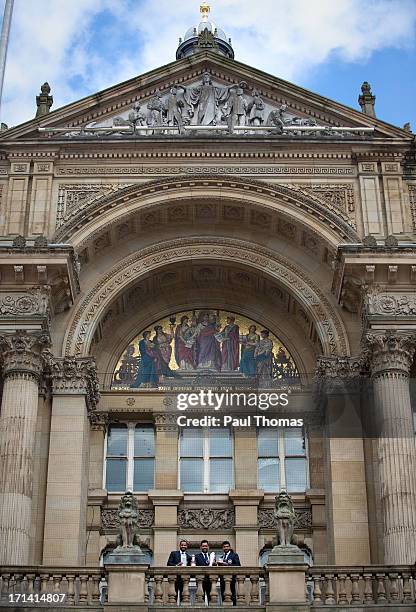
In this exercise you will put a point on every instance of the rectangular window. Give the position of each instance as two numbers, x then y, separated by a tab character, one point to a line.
206	460
282	461
130	459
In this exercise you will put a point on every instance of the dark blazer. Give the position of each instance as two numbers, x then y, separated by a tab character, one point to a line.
200	559
232	559
175	558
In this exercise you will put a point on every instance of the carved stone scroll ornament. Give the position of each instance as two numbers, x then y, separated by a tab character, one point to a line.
110	518
379	303
75	376
23	353
266	519
34	302
205	518
391	352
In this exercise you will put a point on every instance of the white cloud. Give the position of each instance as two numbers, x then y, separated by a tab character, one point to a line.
50	39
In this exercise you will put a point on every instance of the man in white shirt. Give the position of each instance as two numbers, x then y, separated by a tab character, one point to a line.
179	558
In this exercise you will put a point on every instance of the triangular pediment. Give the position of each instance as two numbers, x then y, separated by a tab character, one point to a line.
233	98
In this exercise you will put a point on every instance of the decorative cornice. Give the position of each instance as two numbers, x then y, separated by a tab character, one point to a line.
75	376
23	353
390	352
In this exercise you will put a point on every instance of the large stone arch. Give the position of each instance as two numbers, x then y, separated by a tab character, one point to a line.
95	215
329	325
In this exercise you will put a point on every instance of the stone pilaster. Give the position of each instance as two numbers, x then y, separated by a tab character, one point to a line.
338	381
75	397
166	470
390	356
22	368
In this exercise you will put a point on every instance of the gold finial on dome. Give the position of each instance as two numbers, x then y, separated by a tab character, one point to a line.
205	10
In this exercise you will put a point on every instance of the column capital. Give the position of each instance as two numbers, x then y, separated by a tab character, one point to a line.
390	351
99	420
76	376
334	373
166	422
24	353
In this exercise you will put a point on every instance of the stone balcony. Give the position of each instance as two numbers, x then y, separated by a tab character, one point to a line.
326	588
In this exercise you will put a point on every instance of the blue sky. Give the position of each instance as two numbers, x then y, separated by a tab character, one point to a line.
328	46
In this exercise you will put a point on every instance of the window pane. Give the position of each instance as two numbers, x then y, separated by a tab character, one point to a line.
117	441
220	443
268	443
269	474
295	474
116	474
192	475
144	441
294	442
144	474
192	444
220	475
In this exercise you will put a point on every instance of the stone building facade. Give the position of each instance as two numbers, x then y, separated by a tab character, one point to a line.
206	186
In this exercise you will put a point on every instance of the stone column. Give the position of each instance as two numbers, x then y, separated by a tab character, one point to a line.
391	355
22	367
75	396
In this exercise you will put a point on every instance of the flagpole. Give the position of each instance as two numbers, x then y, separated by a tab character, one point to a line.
4	42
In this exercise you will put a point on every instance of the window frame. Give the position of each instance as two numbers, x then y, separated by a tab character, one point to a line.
282	457
130	426
206	458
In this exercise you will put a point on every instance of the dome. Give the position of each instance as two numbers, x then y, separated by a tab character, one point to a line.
194	39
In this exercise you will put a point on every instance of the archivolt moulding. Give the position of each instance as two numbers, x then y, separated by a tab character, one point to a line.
328	324
328	221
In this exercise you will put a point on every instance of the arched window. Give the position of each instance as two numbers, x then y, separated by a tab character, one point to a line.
130	457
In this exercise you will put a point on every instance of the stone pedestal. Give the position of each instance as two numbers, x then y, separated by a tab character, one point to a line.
126	585
287	570
22	368
391	358
127	556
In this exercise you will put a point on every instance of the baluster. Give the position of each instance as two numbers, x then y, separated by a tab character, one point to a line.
214	594
267	582
355	589
44	583
368	588
254	594
329	589
394	587
407	588
83	590
56	583
5	586
185	592
70	596
171	589
199	589
30	583
342	590
240	584
95	594
227	599
147	589
317	589
18	583
381	590
158	589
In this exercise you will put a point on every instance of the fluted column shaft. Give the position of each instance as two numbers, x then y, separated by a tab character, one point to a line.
391	357
19	406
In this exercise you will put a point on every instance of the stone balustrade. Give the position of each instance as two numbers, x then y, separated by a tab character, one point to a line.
79	586
362	586
251	585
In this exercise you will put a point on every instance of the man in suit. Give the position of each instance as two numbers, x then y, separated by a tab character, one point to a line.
179	558
229	558
205	559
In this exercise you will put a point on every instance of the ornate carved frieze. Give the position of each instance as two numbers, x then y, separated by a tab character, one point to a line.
206	518
390	352
23	353
384	304
193	170
34	302
75	376
266	518
110	518
337	195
